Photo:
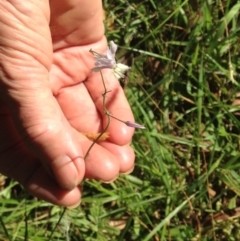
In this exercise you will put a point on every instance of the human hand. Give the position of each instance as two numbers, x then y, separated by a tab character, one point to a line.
49	97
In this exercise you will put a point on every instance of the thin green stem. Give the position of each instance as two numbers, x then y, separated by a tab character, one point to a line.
59	220
116	118
100	135
4	229
106	112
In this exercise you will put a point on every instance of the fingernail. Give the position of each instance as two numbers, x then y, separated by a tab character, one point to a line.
127	172
65	172
75	205
109	181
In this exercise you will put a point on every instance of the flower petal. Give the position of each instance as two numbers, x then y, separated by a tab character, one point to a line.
134	125
113	48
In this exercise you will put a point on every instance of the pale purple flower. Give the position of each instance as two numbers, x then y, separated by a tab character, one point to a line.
108	61
134	125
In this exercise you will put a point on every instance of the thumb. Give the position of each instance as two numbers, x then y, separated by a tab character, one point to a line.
25	61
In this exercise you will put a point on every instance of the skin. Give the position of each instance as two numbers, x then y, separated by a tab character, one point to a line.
49	97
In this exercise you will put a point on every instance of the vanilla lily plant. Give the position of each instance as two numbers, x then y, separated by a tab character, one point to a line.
108	61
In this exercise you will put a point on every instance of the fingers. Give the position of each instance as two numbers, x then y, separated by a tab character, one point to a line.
105	161
124	154
82	105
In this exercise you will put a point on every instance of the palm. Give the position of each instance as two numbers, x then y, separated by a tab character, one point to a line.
77	105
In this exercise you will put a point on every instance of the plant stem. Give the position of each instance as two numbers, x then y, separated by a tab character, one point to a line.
58	222
106	112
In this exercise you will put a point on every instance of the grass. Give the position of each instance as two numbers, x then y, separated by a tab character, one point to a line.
184	87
